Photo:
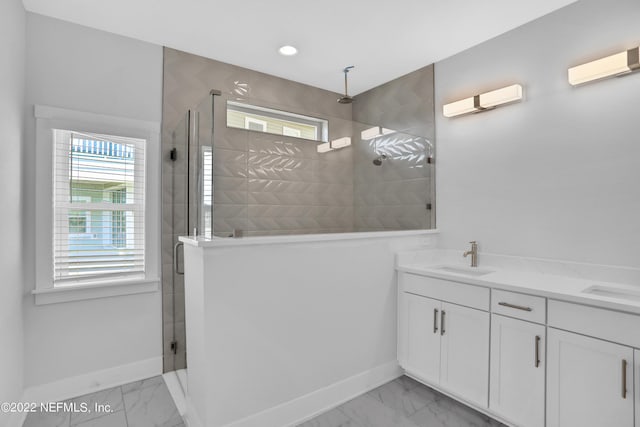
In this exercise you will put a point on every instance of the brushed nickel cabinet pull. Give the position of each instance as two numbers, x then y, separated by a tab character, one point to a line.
537	356
442	322
624	379
435	320
517	307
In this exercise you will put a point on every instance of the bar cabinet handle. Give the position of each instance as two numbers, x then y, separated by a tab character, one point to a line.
435	320
517	307
624	379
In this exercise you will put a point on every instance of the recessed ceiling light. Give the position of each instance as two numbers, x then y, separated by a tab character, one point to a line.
288	50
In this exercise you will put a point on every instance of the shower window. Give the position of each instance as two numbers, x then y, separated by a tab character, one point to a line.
278	122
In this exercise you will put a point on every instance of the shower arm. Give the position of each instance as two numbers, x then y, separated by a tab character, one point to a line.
346	71
346	90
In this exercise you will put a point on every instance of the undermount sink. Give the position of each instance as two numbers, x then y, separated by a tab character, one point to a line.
465	271
613	292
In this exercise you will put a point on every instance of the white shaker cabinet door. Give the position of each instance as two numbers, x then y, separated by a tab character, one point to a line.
465	353
421	352
517	371
590	382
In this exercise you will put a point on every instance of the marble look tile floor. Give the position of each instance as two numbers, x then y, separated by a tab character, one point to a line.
145	403
402	403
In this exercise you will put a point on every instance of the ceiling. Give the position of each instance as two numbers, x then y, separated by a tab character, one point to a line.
383	39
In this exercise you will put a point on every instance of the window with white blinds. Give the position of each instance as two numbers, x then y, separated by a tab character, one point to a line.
98	207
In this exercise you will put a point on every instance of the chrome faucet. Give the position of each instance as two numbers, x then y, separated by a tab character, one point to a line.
473	252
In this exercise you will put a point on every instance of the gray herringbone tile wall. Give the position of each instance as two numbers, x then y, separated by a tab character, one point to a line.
395	195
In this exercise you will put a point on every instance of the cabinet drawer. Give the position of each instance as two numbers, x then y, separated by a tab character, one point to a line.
445	290
596	322
520	306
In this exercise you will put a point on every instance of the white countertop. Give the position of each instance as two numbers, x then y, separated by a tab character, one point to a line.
566	287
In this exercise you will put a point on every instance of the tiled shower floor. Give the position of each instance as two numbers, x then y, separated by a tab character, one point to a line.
402	403
145	403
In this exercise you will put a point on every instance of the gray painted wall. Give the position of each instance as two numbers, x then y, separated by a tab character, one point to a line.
116	76
557	175
12	83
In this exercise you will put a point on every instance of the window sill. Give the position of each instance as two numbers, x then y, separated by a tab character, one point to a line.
92	291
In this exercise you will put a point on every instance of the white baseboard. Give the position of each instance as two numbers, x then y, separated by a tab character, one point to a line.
68	388
80	385
305	407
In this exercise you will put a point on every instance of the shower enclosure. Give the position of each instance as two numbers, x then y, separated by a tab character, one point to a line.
187	209
242	167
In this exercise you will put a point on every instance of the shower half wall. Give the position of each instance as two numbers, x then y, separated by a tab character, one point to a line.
272	184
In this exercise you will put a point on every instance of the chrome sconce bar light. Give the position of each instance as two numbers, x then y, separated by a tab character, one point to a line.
614	65
484	101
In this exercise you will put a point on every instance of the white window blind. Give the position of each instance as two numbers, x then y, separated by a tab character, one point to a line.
98	207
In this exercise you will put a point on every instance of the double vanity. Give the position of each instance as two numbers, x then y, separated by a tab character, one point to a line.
529	342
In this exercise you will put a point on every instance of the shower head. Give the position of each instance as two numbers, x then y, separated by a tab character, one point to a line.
378	160
346	99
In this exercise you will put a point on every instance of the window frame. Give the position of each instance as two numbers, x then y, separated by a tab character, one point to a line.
321	125
50	118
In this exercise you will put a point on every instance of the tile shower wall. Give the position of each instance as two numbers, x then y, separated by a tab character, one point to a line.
263	184
395	195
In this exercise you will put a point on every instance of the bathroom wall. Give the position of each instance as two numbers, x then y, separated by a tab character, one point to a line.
12	83
395	194
555	176
71	66
305	316
264	184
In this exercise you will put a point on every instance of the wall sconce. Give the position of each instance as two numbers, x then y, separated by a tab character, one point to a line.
614	65
484	101
374	132
334	145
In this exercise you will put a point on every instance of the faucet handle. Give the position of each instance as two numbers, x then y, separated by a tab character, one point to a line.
473	242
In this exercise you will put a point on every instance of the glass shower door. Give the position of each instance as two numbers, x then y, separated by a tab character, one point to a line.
187	210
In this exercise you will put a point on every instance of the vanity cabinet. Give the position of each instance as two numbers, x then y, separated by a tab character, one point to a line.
517	391
518	354
590	382
442	343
